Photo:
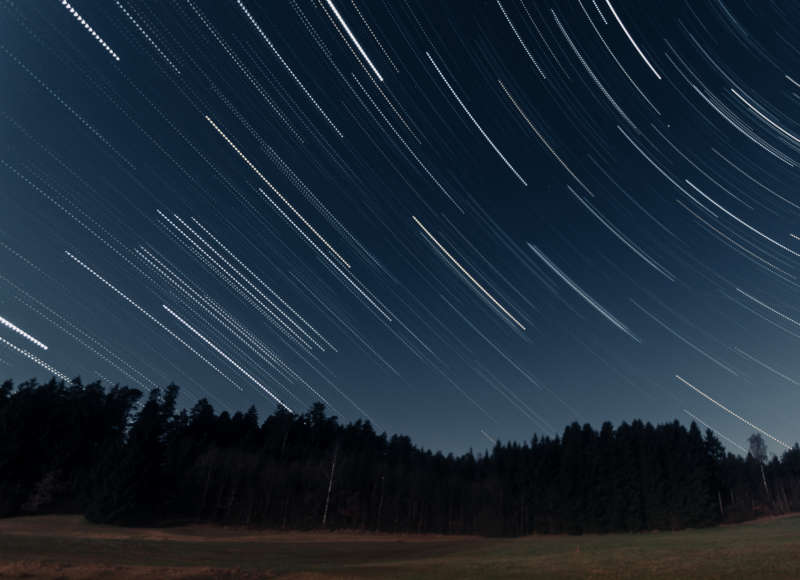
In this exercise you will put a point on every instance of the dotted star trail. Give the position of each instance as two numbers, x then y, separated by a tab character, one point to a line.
467	221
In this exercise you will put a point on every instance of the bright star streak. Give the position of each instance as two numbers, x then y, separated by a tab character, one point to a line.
596	305
724	408
707	426
227	358
89	29
474	122
760	303
151	318
278	193
18	330
353	38
467	274
741	221
633	42
35	359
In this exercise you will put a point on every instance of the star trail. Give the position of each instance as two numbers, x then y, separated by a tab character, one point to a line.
466	221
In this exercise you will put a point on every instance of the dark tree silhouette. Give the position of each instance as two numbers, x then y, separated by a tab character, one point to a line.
97	451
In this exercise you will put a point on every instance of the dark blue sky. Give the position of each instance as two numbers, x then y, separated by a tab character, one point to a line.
465	221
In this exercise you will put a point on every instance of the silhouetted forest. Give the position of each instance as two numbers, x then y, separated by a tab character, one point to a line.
118	459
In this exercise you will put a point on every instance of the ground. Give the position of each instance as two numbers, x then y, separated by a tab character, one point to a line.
68	547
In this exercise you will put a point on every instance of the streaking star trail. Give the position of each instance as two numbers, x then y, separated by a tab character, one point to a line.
467	274
21	332
466	221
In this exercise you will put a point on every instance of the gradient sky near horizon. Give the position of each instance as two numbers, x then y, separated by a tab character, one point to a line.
465	221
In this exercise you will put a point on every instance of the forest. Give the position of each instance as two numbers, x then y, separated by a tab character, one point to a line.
121	456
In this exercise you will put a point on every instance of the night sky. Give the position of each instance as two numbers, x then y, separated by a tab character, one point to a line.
463	221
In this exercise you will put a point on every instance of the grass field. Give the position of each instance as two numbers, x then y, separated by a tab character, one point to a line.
68	547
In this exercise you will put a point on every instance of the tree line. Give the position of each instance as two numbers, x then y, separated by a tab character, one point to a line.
120	457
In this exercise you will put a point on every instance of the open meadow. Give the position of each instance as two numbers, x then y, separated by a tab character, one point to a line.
68	547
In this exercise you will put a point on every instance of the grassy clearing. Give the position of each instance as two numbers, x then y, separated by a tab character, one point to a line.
68	547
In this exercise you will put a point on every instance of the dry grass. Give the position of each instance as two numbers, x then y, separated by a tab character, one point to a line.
68	547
